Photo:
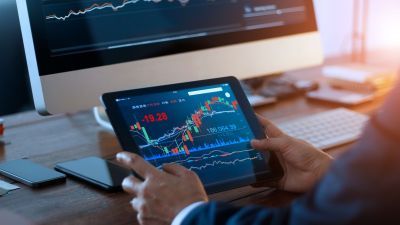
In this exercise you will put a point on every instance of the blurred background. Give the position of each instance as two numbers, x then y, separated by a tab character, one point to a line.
335	20
335	23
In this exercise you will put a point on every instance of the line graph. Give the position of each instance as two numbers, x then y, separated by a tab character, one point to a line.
218	157
212	154
204	147
207	133
229	163
178	130
180	143
181	140
103	6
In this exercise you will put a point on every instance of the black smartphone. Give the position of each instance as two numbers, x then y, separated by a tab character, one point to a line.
30	173
96	171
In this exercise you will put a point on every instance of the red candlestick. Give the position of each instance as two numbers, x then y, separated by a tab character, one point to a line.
2	127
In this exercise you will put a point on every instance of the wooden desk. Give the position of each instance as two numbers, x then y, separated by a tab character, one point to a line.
56	139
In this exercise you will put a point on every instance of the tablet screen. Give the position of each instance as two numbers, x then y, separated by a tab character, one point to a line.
203	129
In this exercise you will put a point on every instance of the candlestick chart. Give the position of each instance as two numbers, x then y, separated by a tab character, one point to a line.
175	141
206	134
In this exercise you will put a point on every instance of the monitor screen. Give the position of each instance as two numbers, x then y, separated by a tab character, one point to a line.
203	129
78	34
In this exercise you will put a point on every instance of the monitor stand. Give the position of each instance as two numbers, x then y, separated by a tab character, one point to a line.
101	117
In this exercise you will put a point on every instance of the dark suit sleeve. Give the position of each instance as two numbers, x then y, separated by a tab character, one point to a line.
223	213
362	187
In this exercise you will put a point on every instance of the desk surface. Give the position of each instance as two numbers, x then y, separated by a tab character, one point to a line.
56	139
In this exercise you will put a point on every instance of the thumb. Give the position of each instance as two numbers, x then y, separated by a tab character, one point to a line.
175	169
270	144
270	128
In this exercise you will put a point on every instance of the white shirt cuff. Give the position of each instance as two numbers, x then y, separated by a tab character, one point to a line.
184	212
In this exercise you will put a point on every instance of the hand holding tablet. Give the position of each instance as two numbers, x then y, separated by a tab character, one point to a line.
205	126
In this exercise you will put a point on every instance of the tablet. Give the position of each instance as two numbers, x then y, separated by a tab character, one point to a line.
205	126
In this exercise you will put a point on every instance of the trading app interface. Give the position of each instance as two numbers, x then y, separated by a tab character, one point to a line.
202	129
79	26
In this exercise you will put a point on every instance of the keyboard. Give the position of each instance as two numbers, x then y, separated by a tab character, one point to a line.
327	129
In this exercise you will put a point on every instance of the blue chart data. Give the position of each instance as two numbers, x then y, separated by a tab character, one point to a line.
103	6
203	130
126	23
78	34
81	26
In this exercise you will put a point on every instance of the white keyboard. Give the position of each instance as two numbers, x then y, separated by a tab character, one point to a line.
327	129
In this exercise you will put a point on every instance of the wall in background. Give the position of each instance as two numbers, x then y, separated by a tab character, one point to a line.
335	23
384	24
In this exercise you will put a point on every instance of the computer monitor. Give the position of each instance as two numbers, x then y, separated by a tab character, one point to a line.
78	49
14	90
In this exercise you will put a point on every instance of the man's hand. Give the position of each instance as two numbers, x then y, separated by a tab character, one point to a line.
303	164
162	194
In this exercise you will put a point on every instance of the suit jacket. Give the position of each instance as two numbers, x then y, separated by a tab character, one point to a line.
362	186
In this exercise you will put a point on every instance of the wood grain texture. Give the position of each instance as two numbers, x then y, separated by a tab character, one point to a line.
51	140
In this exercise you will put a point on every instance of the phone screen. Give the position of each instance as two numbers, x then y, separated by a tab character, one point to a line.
96	171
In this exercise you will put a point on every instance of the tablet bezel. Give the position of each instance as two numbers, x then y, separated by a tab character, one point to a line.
128	144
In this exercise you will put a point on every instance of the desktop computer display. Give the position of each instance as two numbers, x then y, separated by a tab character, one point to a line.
13	73
78	49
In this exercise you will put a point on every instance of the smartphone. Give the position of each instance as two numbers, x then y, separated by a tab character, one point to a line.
30	173
96	171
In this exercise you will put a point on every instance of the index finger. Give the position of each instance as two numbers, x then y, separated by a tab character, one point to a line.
138	164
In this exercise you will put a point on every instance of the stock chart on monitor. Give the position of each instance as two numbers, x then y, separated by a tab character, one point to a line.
202	129
78	26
